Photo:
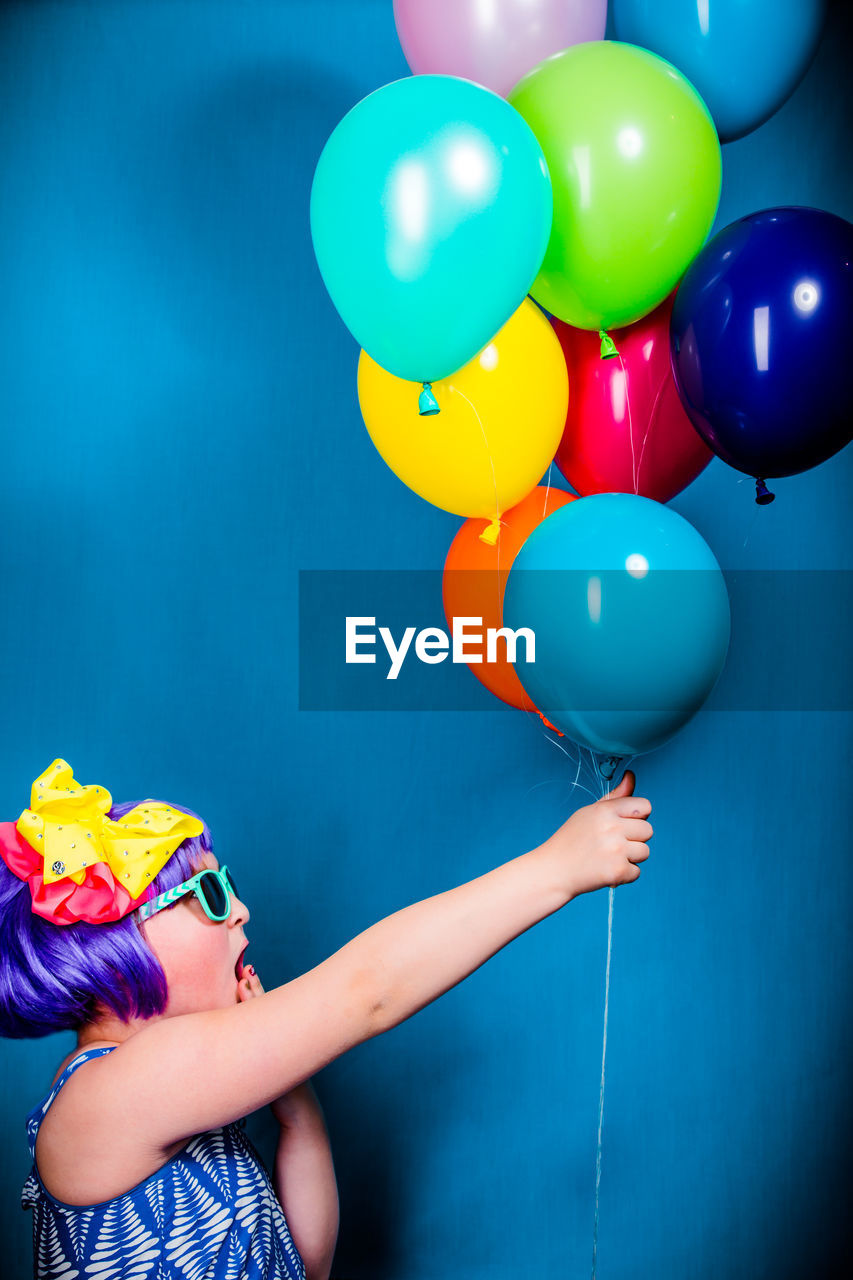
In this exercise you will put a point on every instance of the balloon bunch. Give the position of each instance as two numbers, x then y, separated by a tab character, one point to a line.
592	184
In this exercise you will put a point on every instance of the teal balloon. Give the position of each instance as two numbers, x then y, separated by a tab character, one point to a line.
745	57
630	614
430	215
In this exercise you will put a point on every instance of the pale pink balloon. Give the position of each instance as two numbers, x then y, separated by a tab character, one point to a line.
494	42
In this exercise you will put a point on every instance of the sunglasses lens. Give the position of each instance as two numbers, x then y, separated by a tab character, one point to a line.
232	884
214	894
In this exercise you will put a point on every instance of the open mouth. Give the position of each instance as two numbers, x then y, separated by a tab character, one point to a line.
238	968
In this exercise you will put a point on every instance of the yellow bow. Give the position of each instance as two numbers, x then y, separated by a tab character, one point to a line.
67	824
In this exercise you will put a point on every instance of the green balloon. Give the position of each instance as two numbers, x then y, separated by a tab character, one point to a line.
636	171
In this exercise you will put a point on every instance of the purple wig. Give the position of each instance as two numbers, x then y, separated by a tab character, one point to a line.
56	977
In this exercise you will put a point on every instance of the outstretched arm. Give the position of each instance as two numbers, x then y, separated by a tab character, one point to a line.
371	984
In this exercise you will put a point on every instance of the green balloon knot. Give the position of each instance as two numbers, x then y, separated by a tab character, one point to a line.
608	346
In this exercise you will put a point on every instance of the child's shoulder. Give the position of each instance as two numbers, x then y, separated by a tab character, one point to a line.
78	1052
83	1153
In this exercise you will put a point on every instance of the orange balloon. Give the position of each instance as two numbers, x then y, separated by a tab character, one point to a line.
480	594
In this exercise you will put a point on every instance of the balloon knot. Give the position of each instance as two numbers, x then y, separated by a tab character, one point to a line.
607	766
427	403
608	346
491	532
763	494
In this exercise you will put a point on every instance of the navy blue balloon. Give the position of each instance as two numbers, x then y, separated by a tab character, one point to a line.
759	337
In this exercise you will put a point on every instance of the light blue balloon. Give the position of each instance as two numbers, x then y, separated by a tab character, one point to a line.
430	214
631	619
744	56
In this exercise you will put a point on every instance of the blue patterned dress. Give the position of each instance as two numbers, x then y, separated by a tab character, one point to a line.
210	1213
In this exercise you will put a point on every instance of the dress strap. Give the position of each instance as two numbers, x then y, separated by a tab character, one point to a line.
39	1112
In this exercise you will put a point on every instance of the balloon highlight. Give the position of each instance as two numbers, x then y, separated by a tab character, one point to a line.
430	213
636	171
756	328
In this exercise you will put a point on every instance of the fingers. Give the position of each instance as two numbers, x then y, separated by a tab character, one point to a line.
636	829
633	807
628	782
249	985
625	787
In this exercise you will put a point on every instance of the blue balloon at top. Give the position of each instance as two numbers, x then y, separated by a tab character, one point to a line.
744	56
430	214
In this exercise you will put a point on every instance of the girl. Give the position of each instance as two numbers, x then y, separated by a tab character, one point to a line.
119	922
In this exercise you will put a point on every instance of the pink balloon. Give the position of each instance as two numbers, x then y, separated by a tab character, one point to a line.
626	429
494	42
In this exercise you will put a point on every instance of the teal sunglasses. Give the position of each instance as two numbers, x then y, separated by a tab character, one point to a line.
214	890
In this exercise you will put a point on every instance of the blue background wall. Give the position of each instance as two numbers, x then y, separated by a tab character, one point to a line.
179	435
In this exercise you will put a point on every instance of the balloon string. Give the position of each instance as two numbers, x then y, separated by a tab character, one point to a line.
651	421
751	526
630	420
555	742
611	895
451	387
547	491
485	442
604	787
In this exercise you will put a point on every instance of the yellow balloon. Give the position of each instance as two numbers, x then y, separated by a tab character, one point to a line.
500	419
